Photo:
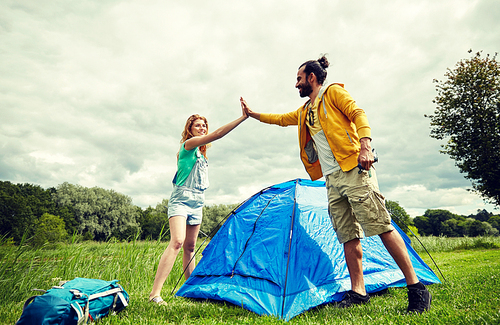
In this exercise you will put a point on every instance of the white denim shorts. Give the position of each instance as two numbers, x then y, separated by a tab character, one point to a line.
188	203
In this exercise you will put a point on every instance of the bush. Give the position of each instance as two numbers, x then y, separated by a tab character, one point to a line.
49	229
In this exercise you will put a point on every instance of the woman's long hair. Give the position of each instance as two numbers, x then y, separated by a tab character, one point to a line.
186	134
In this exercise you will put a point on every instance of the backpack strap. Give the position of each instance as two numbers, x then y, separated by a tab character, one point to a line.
123	299
79	313
30	299
117	292
105	293
83	314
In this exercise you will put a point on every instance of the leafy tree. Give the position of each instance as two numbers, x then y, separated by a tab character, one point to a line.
442	222
468	115
451	228
423	226
212	217
399	215
482	215
66	212
156	226
154	222
490	230
100	213
464	226
21	205
16	216
494	221
432	221
479	228
49	229
436	217
162	207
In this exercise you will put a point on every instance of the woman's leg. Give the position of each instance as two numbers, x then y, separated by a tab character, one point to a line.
188	260
177	237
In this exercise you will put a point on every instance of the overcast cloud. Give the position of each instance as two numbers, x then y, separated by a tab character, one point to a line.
97	92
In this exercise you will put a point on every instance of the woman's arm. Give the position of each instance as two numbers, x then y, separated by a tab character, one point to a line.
199	141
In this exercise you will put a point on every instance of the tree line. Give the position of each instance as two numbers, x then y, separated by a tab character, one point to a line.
73	212
445	223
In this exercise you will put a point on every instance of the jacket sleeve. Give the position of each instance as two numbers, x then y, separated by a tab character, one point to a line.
346	104
286	119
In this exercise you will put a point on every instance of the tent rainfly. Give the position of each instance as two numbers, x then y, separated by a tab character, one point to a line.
277	254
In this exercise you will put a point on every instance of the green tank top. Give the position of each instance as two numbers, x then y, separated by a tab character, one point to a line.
185	163
192	169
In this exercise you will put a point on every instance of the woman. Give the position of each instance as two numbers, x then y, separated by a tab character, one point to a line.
186	202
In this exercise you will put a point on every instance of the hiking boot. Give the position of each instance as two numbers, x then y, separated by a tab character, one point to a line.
351	298
419	300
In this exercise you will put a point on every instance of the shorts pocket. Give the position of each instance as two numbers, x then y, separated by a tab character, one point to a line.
332	219
382	213
364	204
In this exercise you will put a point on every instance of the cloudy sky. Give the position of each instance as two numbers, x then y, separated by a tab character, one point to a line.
97	92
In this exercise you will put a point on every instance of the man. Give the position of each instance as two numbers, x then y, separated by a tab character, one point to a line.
334	138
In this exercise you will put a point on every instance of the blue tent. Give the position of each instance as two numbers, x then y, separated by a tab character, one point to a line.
277	254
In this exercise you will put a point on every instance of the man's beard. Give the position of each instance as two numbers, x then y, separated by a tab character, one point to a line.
305	90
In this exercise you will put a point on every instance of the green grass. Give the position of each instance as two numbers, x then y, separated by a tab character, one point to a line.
471	294
445	244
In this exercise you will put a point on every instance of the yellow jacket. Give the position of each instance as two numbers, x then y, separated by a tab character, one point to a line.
343	122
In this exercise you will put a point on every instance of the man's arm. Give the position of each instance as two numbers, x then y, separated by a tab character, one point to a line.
347	105
286	119
248	111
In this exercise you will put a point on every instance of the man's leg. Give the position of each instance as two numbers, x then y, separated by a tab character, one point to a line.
396	247
348	232
353	253
364	194
419	298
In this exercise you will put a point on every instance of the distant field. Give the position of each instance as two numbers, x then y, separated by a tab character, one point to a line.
470	294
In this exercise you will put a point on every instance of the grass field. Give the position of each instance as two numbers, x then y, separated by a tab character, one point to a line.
470	294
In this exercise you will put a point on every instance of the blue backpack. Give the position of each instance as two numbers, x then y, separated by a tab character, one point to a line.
75	302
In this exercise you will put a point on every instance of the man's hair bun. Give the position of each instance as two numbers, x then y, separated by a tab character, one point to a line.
323	61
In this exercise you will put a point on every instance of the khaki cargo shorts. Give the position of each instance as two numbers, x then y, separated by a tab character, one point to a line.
356	205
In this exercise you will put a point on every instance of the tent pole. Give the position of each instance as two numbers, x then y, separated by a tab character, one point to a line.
289	248
393	215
